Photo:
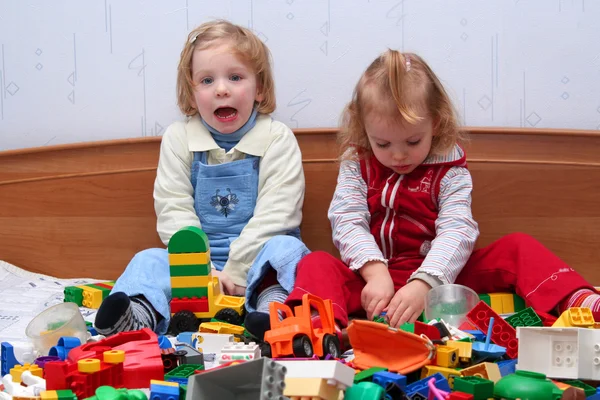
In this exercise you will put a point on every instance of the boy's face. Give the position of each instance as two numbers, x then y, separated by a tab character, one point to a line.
225	88
397	144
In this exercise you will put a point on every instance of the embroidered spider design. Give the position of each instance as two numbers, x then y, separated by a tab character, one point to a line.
224	204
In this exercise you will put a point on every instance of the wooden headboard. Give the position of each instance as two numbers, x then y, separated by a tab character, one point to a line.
83	210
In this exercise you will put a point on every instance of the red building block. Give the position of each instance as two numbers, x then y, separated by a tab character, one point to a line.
193	304
502	333
143	361
428	330
460	396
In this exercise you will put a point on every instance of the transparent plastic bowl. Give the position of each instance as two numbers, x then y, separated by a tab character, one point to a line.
451	303
46	328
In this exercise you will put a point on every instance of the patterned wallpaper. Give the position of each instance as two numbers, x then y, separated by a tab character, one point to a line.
73	71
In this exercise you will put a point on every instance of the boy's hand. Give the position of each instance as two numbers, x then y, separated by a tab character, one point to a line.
379	289
227	285
408	303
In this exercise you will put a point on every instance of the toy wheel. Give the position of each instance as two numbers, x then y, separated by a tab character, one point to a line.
302	347
331	346
183	321
265	350
230	316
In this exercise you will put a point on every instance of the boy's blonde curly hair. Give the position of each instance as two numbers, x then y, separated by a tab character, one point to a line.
244	44
399	86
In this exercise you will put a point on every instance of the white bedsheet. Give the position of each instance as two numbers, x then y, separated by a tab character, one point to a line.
23	295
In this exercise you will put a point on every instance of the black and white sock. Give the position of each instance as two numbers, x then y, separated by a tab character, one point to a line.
121	313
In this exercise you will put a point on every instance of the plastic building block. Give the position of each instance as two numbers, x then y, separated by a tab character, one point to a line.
58	395
383	378
295	334
142	363
18	370
589	390
182	373
190	239
485	298
334	371
460	396
422	387
161	390
64	346
239	351
526	317
367	375
480	388
465	349
485	370
364	391
190	270
195	305
73	294
310	388
446	356
207	342
221	327
260	379
192	355
7	358
448	373
196	281
577	317
526	385
507	367
519	303
110	393
503	334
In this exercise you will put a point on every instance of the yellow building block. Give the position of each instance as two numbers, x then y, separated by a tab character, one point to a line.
484	370
189	258
465	349
49	395
18	370
190	281
164	383
579	317
310	388
446	356
508	303
92	297
449	373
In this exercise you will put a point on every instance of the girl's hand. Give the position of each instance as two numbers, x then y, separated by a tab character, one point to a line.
379	289
408	303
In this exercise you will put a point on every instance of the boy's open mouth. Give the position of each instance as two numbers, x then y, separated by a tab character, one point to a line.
225	113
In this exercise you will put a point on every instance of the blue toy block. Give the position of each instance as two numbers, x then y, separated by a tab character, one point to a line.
64	346
7	358
421	387
160	391
507	367
382	378
164	342
478	335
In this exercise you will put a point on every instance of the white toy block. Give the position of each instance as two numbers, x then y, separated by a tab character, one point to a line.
336	373
239	351
210	342
568	353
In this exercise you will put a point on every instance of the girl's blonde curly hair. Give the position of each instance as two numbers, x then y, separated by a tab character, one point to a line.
399	86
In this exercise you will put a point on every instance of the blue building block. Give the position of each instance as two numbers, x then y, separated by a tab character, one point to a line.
421	387
7	358
64	346
595	396
507	367
160	390
382	378
478	335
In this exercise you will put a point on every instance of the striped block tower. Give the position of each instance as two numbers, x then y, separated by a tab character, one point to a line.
189	263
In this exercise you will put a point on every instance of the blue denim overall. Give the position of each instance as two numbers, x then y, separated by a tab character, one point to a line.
224	200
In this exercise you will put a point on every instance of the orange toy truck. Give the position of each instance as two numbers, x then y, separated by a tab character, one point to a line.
295	335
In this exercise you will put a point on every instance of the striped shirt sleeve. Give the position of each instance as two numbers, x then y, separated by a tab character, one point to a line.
456	230
350	218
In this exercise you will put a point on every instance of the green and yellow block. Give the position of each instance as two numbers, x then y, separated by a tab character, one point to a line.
90	295
503	303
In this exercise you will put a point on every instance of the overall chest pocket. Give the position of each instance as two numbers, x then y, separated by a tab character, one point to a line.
224	201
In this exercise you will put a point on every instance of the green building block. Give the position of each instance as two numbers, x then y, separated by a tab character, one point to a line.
480	388
408	327
190	270
189	240
364	391
182	372
485	298
73	294
526	317
589	390
367	374
519	303
179	293
65	395
182	391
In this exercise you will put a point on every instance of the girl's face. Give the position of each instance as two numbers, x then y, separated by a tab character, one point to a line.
225	88
398	144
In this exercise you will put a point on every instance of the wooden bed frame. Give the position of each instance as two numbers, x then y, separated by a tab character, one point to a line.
83	210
